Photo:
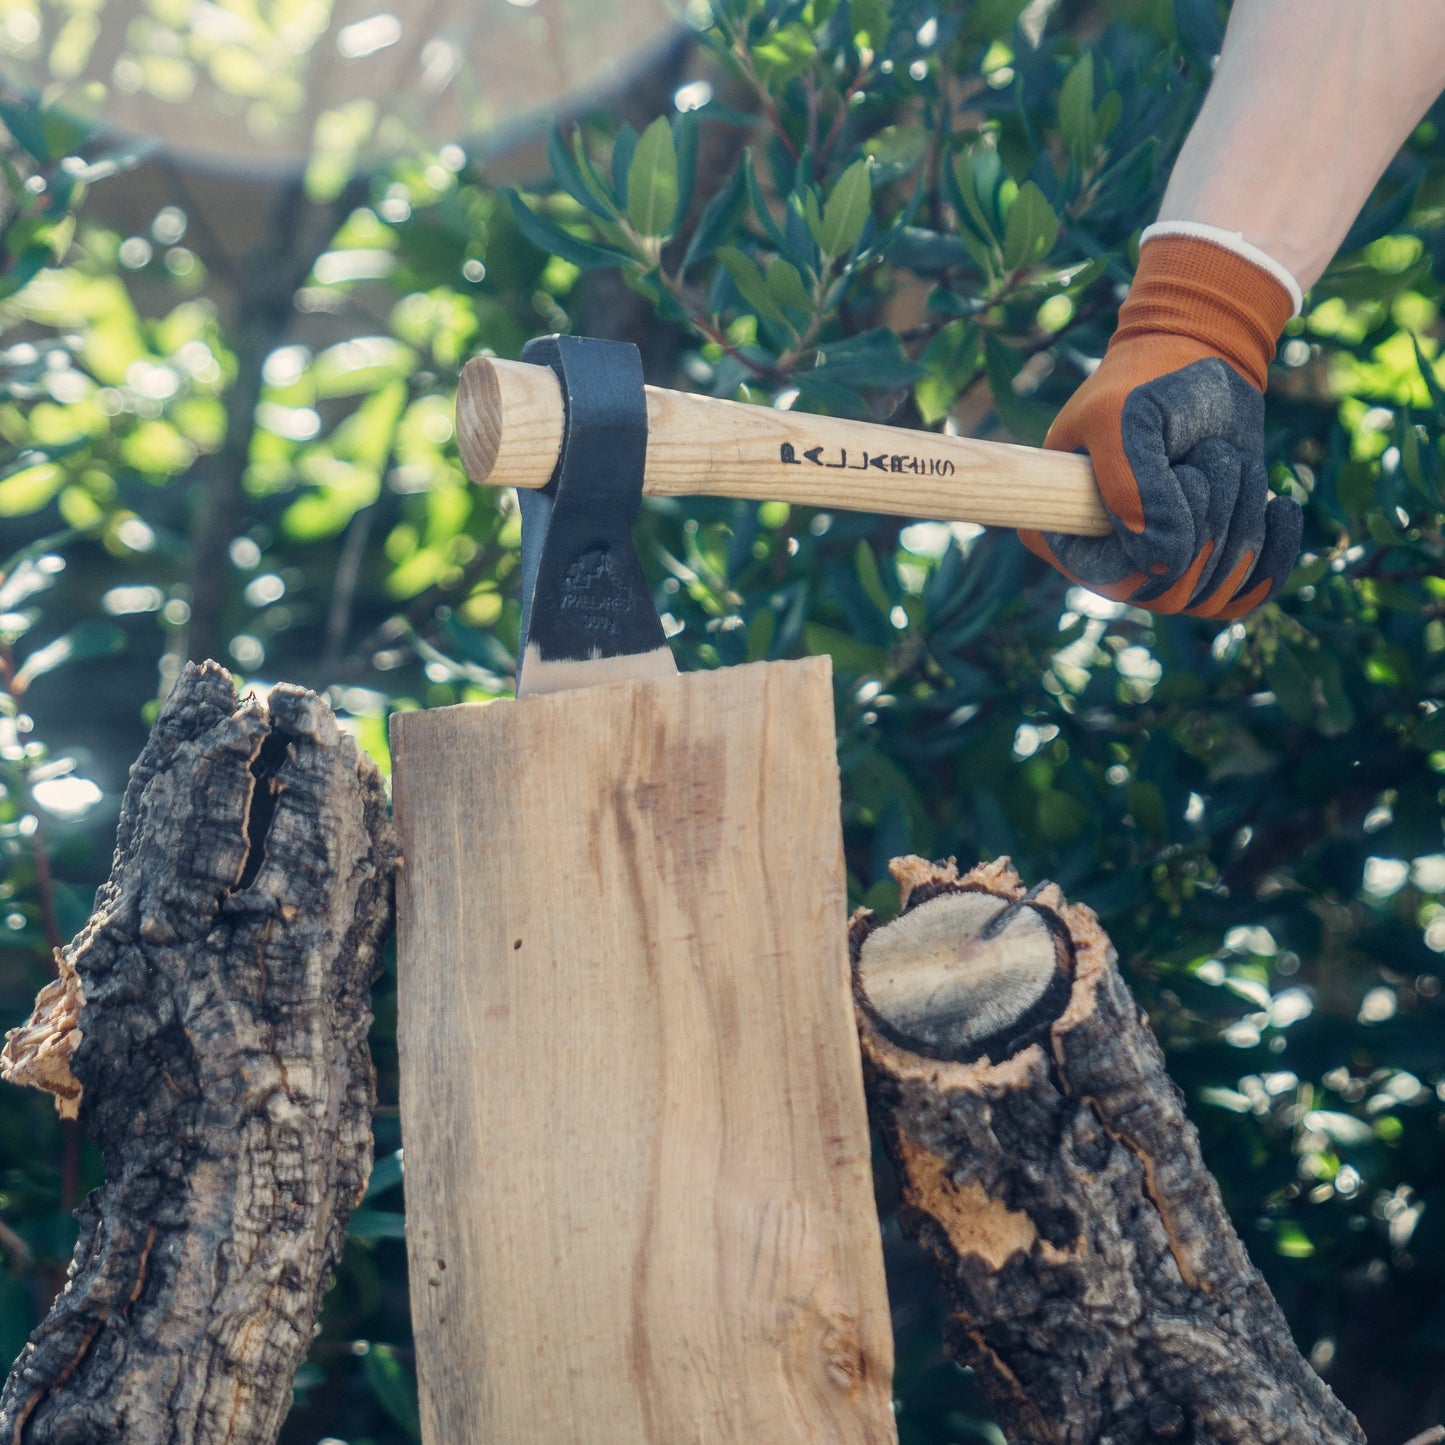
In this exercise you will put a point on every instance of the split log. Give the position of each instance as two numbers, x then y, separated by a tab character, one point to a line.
209	1026
1093	1280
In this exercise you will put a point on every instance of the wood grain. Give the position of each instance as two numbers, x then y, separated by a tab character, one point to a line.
509	431
639	1204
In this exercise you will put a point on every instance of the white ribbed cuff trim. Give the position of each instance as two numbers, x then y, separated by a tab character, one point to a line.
1231	241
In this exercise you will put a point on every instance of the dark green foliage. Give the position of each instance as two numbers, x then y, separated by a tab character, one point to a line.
889	210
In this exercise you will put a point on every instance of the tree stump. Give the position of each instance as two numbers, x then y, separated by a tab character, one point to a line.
1093	1279
209	1027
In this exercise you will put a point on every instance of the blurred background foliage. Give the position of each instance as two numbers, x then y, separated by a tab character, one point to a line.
225	403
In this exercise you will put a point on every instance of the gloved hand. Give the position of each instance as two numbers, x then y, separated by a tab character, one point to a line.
1173	419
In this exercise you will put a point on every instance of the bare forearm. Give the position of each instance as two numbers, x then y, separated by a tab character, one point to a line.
1309	101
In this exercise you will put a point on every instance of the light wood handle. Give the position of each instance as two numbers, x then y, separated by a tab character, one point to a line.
509	431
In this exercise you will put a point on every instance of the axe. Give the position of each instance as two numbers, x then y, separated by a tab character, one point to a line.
639	1200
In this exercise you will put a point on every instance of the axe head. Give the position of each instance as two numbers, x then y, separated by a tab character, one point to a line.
587	611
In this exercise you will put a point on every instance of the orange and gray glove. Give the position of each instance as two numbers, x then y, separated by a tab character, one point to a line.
1173	419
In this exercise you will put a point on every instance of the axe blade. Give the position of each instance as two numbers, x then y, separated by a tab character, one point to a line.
587	611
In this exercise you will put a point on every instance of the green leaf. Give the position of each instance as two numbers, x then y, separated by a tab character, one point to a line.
684	135
785	285
394	1388
812	212
29	489
873	359
848	654
951	360
1111	108
990	19
1031	229
1291	1241
761	631
784	55
386	1174
760	203
978	174
1430	378
1076	111
156	448
579	183
624	147
1061	816
652	191
718	219
1289	680
845	212
590	177
896	151
65	132
827	397
1419	467
1381	529
1146	806
865	568
84	641
872	20
376	1224
750	283
26	124
1429	735
1309	687
1027	420
554	241
1337	712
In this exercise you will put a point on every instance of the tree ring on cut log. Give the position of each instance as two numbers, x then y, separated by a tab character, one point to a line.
962	973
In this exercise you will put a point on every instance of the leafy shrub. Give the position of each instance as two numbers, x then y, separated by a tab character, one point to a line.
901	210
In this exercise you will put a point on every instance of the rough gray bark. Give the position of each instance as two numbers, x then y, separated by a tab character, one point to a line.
210	1025
1093	1279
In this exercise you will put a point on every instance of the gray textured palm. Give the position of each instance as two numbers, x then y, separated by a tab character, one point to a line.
1195	440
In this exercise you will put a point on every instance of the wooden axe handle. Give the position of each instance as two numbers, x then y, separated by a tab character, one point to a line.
509	431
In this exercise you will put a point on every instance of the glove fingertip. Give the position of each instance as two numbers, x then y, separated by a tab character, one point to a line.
1247	601
1284	522
1284	532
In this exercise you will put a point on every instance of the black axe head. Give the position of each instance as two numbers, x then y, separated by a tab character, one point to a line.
587	612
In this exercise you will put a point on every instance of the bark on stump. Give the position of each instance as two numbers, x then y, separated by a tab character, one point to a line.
210	1028
1093	1279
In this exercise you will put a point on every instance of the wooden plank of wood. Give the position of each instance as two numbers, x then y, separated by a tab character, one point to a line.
639	1203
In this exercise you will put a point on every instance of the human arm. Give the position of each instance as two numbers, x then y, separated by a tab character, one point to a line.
1310	100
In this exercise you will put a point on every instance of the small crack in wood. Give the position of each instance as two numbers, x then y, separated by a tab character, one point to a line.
265	766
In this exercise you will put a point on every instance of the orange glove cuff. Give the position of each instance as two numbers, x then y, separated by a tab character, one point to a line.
1183	471
1194	289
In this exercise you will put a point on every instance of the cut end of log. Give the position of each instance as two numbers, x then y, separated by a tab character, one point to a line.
509	422
969	968
479	418
37	1054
